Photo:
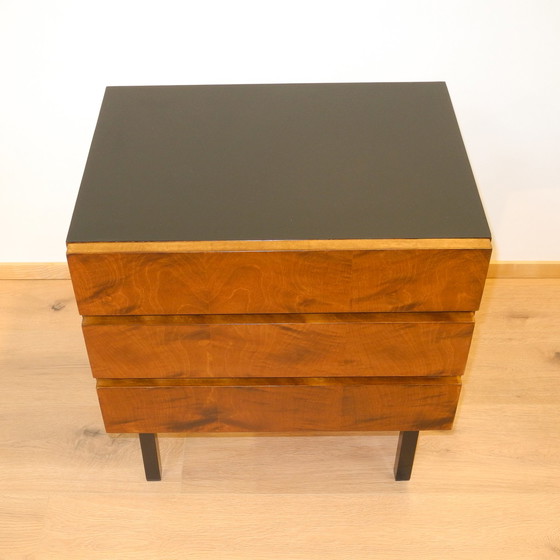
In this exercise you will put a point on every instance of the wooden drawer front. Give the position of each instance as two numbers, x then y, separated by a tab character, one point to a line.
404	344
279	282
278	406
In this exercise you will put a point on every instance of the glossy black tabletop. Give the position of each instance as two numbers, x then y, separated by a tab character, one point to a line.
289	161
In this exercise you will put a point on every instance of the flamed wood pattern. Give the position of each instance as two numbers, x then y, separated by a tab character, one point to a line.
279	282
276	406
376	345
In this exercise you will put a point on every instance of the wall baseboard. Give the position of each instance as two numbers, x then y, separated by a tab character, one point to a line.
34	271
498	269
524	269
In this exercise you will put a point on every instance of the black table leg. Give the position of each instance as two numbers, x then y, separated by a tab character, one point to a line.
150	456
405	455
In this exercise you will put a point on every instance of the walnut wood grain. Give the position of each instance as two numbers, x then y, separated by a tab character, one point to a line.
299	346
279	282
270	406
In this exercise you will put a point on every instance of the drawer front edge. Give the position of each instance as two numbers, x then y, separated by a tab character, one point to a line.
173	347
279	282
284	408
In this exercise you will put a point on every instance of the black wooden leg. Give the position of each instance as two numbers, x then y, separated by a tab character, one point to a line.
150	455
405	455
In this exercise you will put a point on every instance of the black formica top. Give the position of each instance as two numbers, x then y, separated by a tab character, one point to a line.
274	162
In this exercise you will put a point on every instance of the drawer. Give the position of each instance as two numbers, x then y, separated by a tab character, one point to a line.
278	405
319	281
299	345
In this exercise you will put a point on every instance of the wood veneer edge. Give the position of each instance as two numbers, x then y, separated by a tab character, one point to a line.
275	245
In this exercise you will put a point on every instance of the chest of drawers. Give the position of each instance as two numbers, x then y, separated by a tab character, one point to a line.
278	258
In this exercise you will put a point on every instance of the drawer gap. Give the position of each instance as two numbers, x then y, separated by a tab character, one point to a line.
279	318
276	381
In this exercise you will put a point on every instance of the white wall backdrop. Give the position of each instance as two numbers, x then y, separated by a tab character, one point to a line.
500	59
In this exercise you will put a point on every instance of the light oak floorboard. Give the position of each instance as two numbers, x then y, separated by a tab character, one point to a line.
490	488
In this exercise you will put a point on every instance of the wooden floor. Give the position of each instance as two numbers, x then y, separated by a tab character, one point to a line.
488	489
